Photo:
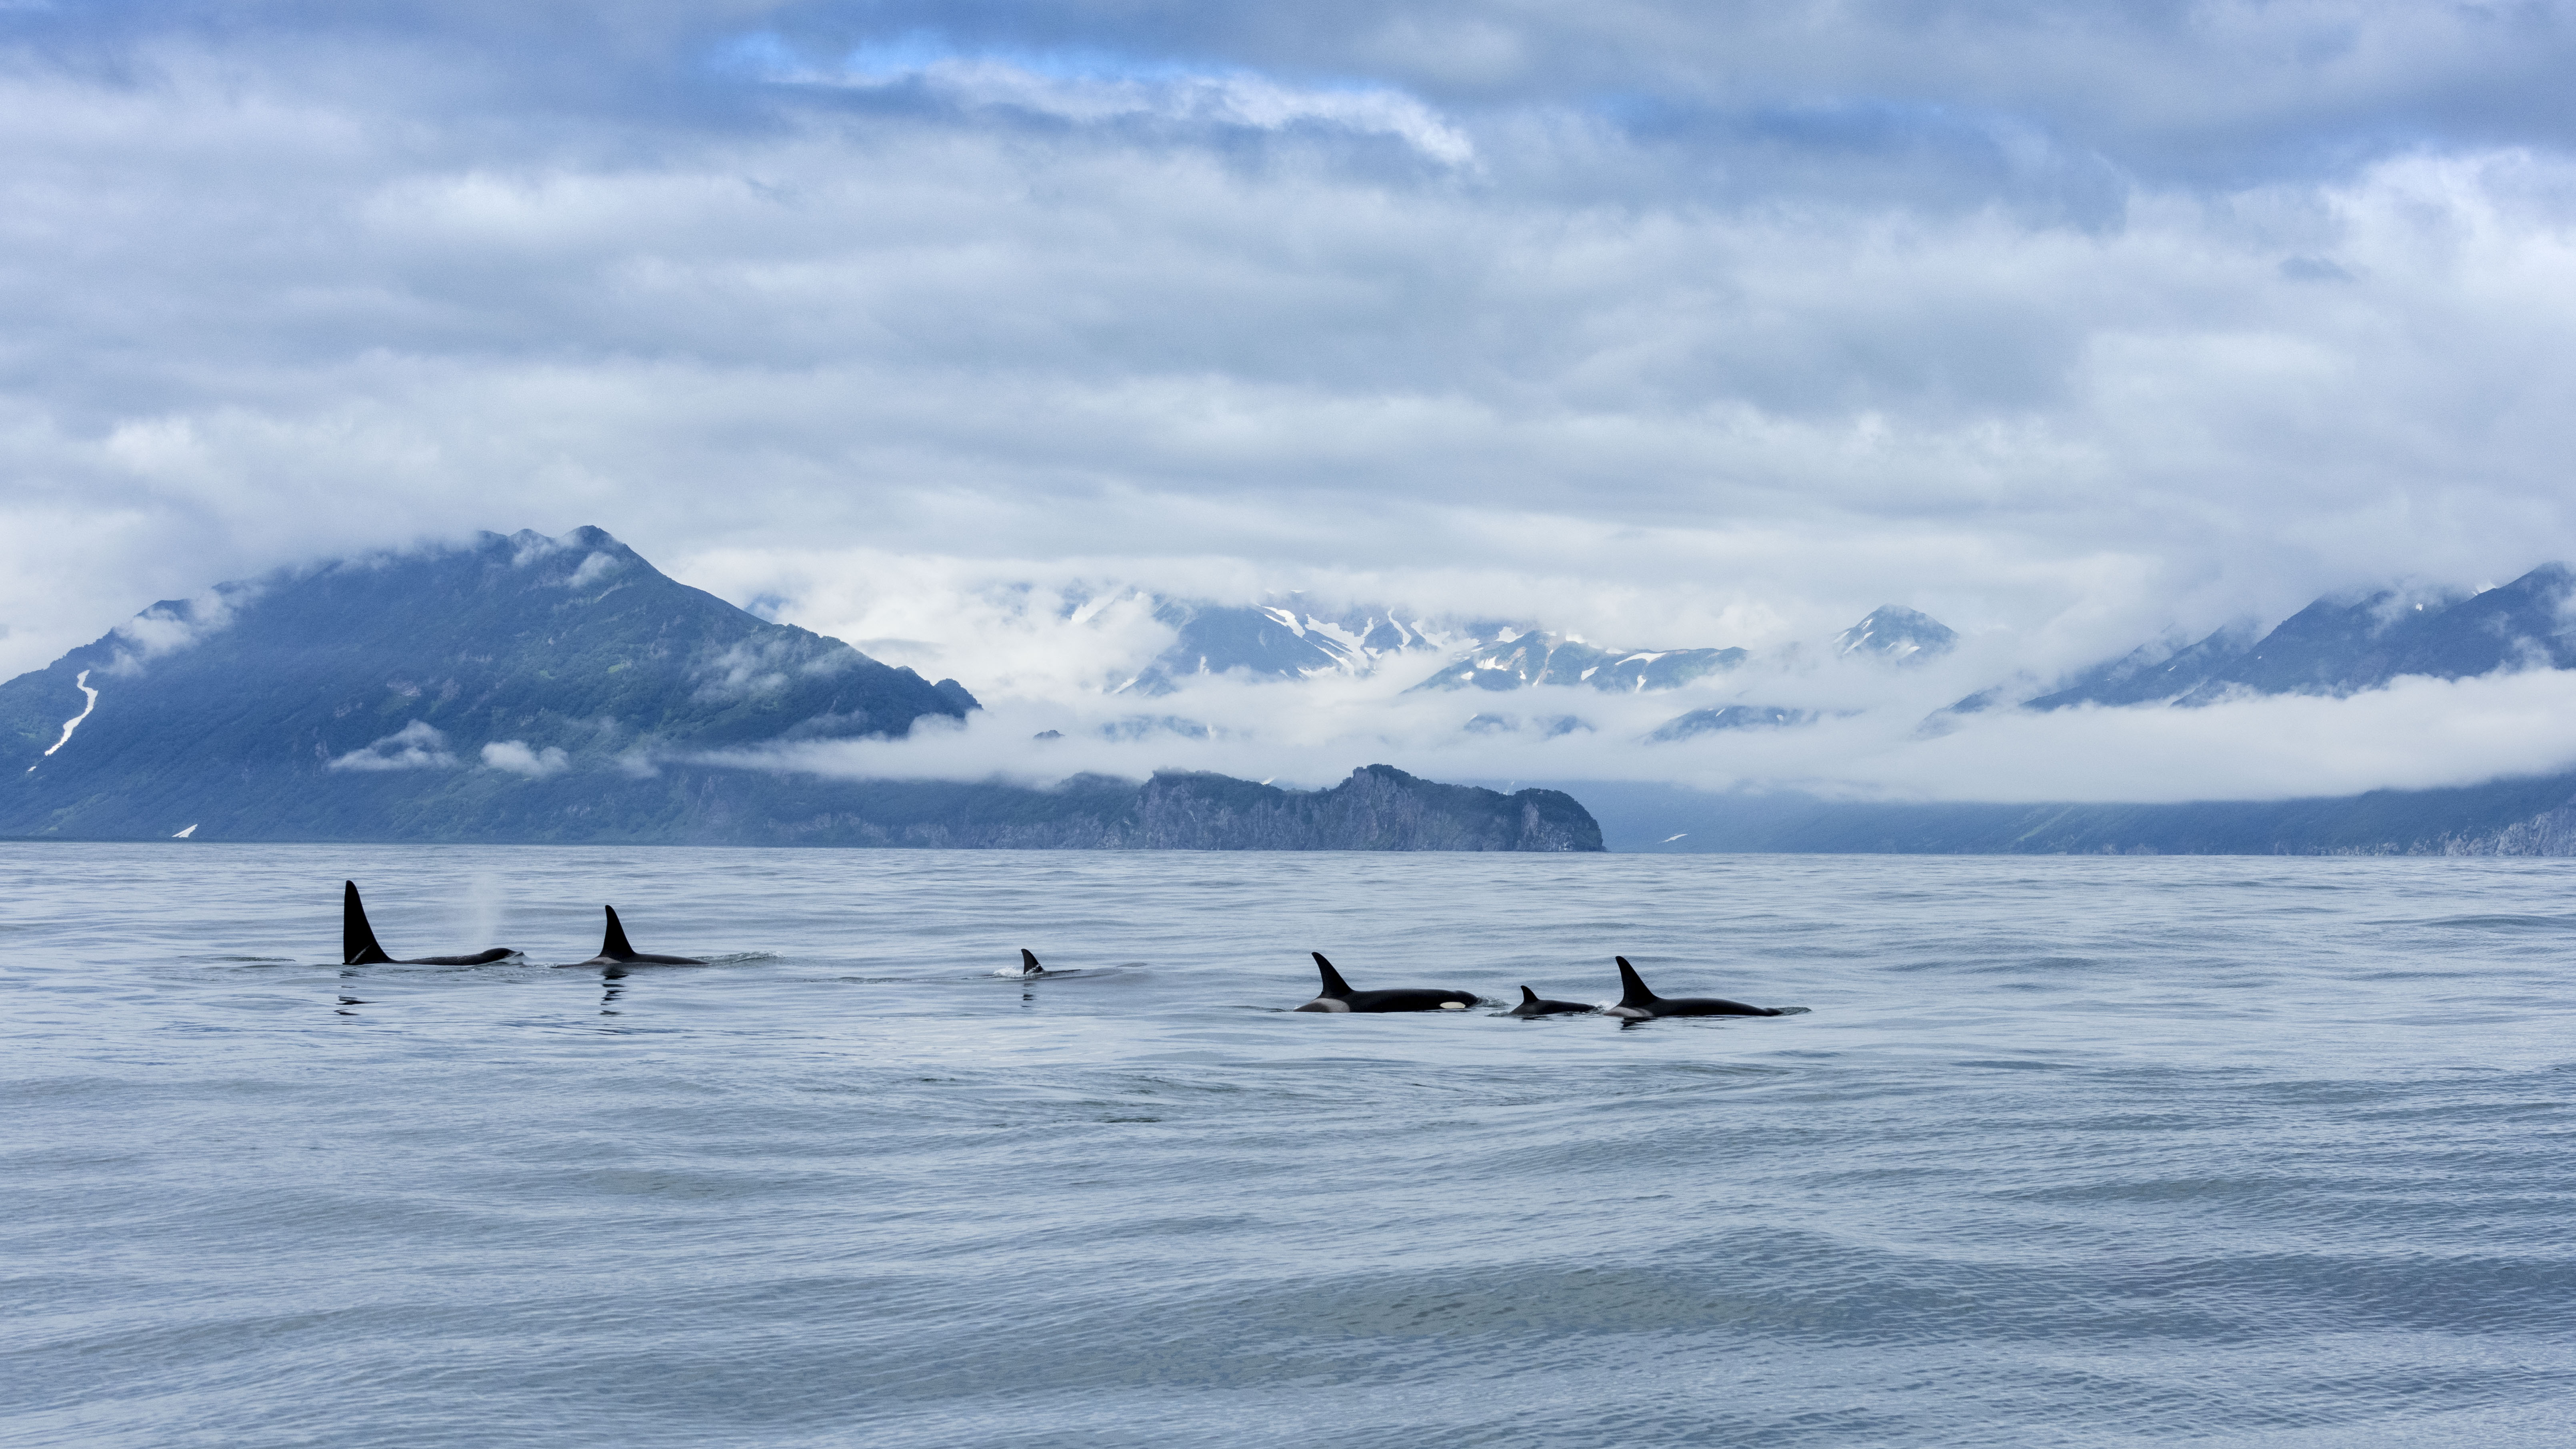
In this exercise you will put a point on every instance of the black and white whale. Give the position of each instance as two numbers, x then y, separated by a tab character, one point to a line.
1636	1003
614	950
1338	996
1532	1004
358	940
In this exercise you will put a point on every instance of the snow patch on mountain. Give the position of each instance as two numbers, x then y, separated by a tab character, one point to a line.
80	682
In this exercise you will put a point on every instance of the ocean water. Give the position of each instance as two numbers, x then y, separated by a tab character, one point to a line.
2063	1152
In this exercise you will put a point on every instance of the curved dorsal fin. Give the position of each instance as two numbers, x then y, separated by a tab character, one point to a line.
613	946
1528	997
357	940
1334	985
1029	962
1632	991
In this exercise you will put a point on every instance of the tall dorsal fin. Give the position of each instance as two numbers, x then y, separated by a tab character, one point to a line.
357	940
614	946
1528	997
1632	991
1029	962
1334	986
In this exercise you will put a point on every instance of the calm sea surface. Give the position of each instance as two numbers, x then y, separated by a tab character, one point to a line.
2065	1151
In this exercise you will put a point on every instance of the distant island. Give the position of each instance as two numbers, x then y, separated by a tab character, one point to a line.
525	688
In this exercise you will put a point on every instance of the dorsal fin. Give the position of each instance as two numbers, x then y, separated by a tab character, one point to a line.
357	940
614	946
1029	962
1334	986
1632	991
1528	997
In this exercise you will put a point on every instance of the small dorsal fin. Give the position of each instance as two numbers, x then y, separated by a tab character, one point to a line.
1632	991
1029	962
357	940
1528	997
614	946
1334	986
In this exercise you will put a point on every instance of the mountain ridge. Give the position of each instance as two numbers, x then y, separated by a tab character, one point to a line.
526	688
531	654
2346	642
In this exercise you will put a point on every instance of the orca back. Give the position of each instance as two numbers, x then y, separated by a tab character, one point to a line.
357	939
1335	988
479	958
1029	962
1632	989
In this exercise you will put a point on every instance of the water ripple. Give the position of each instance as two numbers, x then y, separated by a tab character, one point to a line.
2065	1152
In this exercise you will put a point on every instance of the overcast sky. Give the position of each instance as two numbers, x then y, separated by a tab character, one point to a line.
1673	323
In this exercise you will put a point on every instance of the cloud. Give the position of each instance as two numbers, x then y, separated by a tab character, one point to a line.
175	624
594	568
418	745
757	667
2417	733
515	757
1673	326
2224	85
1094	89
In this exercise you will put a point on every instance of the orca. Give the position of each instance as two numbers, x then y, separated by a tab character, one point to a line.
1532	1005
358	940
613	950
1029	963
1636	1003
1338	996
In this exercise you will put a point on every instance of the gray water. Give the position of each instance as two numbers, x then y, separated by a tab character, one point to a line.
2064	1151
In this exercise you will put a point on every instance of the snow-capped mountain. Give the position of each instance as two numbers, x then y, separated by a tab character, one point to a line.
1891	634
1283	640
1896	634
1538	657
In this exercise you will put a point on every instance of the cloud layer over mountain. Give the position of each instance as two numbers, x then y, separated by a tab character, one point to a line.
1864	741
1678	325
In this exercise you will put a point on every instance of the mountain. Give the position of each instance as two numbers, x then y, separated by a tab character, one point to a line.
2152	672
2348	642
562	689
1279	641
1890	633
1536	657
2339	645
435	675
1897	635
1283	640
